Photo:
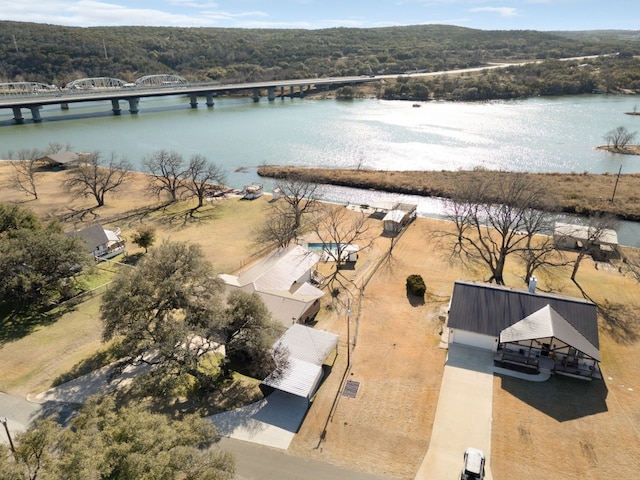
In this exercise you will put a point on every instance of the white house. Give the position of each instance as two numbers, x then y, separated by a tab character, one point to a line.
307	349
283	281
101	243
531	330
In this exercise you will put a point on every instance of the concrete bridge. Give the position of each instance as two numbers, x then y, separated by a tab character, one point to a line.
35	96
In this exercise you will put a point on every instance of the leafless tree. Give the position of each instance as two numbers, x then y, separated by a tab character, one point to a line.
201	177
338	228
619	138
94	177
24	171
285	221
495	217
301	197
596	228
166	170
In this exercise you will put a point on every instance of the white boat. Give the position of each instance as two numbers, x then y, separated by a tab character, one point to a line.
252	191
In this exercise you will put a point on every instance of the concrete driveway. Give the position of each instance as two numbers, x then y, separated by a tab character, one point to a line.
463	414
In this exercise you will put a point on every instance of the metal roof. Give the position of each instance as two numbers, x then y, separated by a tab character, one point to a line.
489	309
544	323
307	350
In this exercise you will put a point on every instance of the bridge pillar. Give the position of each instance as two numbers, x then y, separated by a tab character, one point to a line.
301	91
133	105
193	100
256	94
271	95
115	106
64	106
210	102
281	93
35	113
17	115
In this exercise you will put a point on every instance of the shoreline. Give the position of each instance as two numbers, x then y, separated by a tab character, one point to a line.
572	193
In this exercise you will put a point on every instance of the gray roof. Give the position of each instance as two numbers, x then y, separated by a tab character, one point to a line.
307	350
61	158
489	309
94	236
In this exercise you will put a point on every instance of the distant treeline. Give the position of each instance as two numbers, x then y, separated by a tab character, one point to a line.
615	74
56	55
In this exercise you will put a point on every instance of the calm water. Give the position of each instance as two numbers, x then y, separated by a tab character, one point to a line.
538	135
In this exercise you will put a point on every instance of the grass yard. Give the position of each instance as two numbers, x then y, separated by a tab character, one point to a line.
563	428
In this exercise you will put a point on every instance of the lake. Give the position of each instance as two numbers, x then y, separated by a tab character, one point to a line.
537	135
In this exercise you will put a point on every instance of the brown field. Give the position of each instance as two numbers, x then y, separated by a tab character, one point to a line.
579	192
563	428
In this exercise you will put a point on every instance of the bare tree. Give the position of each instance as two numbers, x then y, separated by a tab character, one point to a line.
277	228
338	228
166	170
495	217
591	235
201	177
301	198
24	171
619	138
96	178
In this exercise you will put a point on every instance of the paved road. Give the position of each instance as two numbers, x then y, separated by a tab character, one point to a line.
256	462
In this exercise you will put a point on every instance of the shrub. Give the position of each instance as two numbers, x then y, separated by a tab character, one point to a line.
416	285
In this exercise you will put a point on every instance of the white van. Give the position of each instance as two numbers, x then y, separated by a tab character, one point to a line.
473	464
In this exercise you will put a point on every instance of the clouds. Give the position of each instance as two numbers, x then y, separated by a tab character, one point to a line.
314	14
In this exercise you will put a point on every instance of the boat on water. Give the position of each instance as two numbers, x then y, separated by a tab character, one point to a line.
252	191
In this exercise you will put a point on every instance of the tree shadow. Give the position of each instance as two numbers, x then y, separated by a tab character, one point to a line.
620	321
16	323
87	365
561	398
415	300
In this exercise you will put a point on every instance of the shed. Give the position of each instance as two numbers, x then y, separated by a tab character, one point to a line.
307	349
61	159
573	237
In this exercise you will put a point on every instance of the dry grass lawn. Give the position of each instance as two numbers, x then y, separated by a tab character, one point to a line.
564	428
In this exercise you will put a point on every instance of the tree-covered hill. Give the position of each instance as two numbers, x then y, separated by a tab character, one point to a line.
57	54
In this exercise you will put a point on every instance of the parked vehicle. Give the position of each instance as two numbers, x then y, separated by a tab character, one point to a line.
473	464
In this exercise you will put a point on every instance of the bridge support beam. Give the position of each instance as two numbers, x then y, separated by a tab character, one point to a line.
271	93
210	102
64	106
133	105
281	93
256	95
115	106
35	113
17	115
193	100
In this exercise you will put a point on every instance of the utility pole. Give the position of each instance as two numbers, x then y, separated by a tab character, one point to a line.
6	427
615	187
348	333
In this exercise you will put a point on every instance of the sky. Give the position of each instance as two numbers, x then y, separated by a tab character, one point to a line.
543	15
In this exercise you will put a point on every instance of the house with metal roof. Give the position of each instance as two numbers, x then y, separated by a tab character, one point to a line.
306	350
283	281
528	330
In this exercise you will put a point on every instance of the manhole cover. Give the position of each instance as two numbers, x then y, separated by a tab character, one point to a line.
351	389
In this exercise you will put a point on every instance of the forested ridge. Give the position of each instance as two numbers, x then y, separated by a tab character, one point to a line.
58	54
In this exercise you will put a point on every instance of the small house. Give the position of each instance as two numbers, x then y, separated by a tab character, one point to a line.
102	243
531	330
283	280
397	215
